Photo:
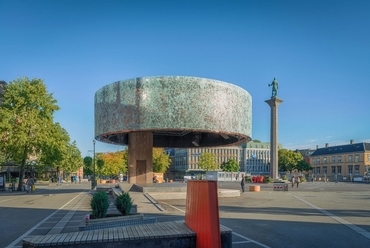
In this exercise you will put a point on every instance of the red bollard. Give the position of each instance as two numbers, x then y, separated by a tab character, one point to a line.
202	214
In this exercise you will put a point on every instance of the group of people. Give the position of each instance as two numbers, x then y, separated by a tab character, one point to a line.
295	180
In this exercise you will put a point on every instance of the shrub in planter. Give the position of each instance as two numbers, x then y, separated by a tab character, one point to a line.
99	204
267	179
248	179
124	203
303	179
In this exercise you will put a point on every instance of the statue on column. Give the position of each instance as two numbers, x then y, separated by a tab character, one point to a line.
275	87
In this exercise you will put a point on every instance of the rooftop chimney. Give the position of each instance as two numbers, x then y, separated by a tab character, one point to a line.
351	141
326	145
317	147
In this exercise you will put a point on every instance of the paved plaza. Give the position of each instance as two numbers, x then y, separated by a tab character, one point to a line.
313	215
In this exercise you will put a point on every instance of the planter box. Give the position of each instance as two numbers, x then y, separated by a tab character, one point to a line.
129	220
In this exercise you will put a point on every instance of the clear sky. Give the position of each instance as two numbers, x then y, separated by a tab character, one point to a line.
319	51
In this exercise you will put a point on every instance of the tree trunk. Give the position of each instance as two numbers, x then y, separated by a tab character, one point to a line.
21	169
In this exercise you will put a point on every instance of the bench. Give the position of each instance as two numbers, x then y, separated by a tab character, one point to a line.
163	234
129	220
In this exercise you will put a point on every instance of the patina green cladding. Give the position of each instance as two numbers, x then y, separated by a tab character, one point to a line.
173	104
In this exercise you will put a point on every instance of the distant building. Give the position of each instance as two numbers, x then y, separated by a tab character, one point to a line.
306	153
253	158
344	162
256	157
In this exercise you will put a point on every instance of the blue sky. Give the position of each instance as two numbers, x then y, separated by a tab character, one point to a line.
319	51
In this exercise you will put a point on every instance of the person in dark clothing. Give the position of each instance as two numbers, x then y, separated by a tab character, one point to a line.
242	183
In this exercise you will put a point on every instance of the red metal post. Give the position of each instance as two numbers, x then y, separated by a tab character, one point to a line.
202	214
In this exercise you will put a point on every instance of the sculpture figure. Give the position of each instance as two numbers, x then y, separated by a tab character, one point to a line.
275	87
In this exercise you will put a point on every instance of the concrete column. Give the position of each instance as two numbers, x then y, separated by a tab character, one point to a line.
274	164
140	157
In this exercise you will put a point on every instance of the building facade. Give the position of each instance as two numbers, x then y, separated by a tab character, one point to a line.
341	163
253	158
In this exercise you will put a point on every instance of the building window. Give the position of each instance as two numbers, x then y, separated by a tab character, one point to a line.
325	169
325	160
333	170
349	158
368	157
357	170
318	170
333	159
339	159
318	160
350	169
339	170
356	158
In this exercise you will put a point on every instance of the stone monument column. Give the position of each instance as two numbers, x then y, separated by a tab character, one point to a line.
274	103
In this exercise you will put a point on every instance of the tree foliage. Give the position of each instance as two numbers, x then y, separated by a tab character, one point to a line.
114	163
304	166
88	161
161	160
207	161
231	166
288	160
27	128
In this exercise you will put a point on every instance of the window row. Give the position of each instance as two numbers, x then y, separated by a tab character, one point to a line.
336	170
338	159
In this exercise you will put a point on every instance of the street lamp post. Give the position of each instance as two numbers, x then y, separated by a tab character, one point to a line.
93	185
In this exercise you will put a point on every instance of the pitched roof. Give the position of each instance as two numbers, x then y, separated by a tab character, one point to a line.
358	147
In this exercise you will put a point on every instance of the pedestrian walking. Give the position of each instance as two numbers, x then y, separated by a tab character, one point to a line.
29	184
60	180
292	180
298	181
242	183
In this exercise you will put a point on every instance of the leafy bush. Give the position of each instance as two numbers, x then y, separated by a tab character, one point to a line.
99	204
303	179
124	203
284	177
248	179
267	179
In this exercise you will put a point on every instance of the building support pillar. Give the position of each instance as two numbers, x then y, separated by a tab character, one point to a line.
140	157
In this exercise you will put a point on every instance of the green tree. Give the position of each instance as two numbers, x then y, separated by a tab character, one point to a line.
231	165
99	165
304	166
207	161
288	160
161	160
26	122
114	163
88	161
